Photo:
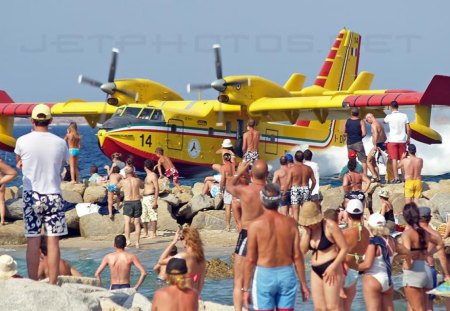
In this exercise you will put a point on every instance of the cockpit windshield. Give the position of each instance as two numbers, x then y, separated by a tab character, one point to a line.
157	116
118	112
131	111
146	113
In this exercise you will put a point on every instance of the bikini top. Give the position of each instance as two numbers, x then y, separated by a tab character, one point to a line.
352	183
324	243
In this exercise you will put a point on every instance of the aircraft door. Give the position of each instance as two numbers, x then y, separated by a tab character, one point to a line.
239	137
175	130
271	142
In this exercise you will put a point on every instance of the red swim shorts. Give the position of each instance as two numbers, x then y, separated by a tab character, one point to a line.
395	150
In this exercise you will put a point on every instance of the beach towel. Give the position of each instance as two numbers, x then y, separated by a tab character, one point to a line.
442	290
84	209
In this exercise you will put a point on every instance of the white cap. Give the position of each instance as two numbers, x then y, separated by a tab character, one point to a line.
227	143
354	206
377	220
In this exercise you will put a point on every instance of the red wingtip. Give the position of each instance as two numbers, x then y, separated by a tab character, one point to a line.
4	98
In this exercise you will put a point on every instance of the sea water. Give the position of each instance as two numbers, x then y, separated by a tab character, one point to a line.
87	260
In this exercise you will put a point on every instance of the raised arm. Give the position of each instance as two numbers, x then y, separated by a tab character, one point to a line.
234	188
141	269
8	173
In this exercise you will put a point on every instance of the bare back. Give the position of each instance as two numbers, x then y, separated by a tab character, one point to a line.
166	162
251	205
227	171
352	181
131	186
251	140
357	238
281	177
120	266
172	298
301	174
378	132
73	141
413	168
275	238
150	183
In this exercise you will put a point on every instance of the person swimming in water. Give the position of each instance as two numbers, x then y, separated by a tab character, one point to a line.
74	142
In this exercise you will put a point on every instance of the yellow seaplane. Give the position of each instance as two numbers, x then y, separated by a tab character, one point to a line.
142	115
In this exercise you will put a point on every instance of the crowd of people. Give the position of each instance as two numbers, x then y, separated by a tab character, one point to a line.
279	221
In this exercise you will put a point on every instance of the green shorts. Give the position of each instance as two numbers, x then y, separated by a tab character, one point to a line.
132	208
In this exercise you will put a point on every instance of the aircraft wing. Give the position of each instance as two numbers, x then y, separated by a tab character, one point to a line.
197	109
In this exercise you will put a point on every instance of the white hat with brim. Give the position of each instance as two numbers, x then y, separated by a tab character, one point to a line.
384	193
8	267
227	143
377	220
309	214
41	112
354	207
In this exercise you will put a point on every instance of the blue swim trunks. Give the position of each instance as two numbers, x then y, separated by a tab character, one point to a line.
112	188
75	152
274	288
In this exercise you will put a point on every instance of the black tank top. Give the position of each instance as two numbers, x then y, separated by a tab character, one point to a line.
353	130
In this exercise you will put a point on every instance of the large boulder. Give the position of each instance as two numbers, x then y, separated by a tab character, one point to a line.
79	188
40	296
332	198
13	234
197	188
170	198
14	209
137	302
440	202
94	225
94	194
198	203
12	193
72	196
184	197
164	185
72	219
212	220
166	218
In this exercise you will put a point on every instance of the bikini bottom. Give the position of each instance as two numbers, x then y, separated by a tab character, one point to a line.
320	269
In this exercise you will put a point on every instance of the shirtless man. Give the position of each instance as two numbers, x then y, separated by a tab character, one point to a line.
412	166
132	206
274	247
177	295
299	177
113	189
281	177
357	238
65	268
251	208
169	169
150	199
120	263
251	142
378	140
226	173
424	221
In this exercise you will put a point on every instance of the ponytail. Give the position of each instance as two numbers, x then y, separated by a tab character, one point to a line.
411	214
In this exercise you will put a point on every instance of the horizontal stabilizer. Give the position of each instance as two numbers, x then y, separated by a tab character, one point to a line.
4	98
437	92
295	82
362	82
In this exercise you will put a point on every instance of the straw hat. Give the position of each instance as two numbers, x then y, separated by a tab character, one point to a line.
309	214
227	143
384	193
8	267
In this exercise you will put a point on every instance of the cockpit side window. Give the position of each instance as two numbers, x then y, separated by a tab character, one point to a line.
146	113
157	115
118	112
132	111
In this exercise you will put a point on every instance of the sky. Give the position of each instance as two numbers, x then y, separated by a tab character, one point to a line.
45	45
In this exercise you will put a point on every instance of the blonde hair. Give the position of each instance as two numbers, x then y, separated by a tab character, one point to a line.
73	129
379	231
192	238
179	280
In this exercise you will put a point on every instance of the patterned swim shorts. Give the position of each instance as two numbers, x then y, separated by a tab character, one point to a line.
148	212
43	209
251	156
300	194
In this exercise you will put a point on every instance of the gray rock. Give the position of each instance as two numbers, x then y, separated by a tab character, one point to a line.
94	194
332	198
109	305
440	202
170	198
83	283
12	193
28	295
14	209
212	220
120	296
184	197
13	234
72	196
197	188
79	188
164	185
166	222
218	203
198	203
138	301
94	225
72	219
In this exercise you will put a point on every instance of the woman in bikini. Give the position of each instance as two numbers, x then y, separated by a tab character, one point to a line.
417	243
326	241
378	288
74	142
387	209
7	173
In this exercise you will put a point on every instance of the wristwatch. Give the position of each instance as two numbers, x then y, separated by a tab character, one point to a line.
246	290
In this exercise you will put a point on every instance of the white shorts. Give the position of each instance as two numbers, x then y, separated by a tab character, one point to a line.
227	197
148	212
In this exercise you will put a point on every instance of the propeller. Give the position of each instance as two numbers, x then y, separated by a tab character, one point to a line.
108	87
219	84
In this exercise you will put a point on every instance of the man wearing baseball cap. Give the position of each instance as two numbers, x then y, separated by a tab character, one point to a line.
345	170
41	154
424	221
